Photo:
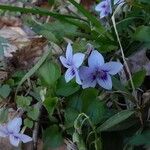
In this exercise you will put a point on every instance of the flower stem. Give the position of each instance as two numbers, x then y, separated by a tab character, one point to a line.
123	56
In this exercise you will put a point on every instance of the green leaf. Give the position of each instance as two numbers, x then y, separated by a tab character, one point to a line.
33	112
126	124
88	96
87	103
97	111
58	28
52	137
141	139
138	78
3	115
66	89
5	91
115	120
23	102
50	104
75	102
28	123
48	35
54	31
49	72
117	85
144	1
142	34
70	116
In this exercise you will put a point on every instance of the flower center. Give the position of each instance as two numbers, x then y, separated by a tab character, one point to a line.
103	74
104	6
100	74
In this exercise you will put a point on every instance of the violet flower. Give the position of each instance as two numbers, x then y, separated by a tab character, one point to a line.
98	71
12	129
72	62
105	8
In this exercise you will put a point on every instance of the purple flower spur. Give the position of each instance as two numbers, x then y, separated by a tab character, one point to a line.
98	71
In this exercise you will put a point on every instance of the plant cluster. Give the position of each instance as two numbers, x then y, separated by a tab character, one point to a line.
89	100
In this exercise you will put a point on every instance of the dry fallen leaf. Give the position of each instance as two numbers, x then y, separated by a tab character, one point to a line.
22	49
5	144
29	55
10	21
87	3
15	36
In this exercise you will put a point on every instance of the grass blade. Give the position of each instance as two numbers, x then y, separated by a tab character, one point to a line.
87	14
36	10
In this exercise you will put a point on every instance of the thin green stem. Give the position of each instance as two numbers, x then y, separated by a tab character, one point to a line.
123	56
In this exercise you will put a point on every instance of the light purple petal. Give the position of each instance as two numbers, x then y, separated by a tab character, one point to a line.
104	14
101	6
109	6
88	83
24	138
70	74
78	59
69	52
104	8
86	77
14	140
3	131
84	72
112	67
105	83
95	60
14	125
64	62
78	80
